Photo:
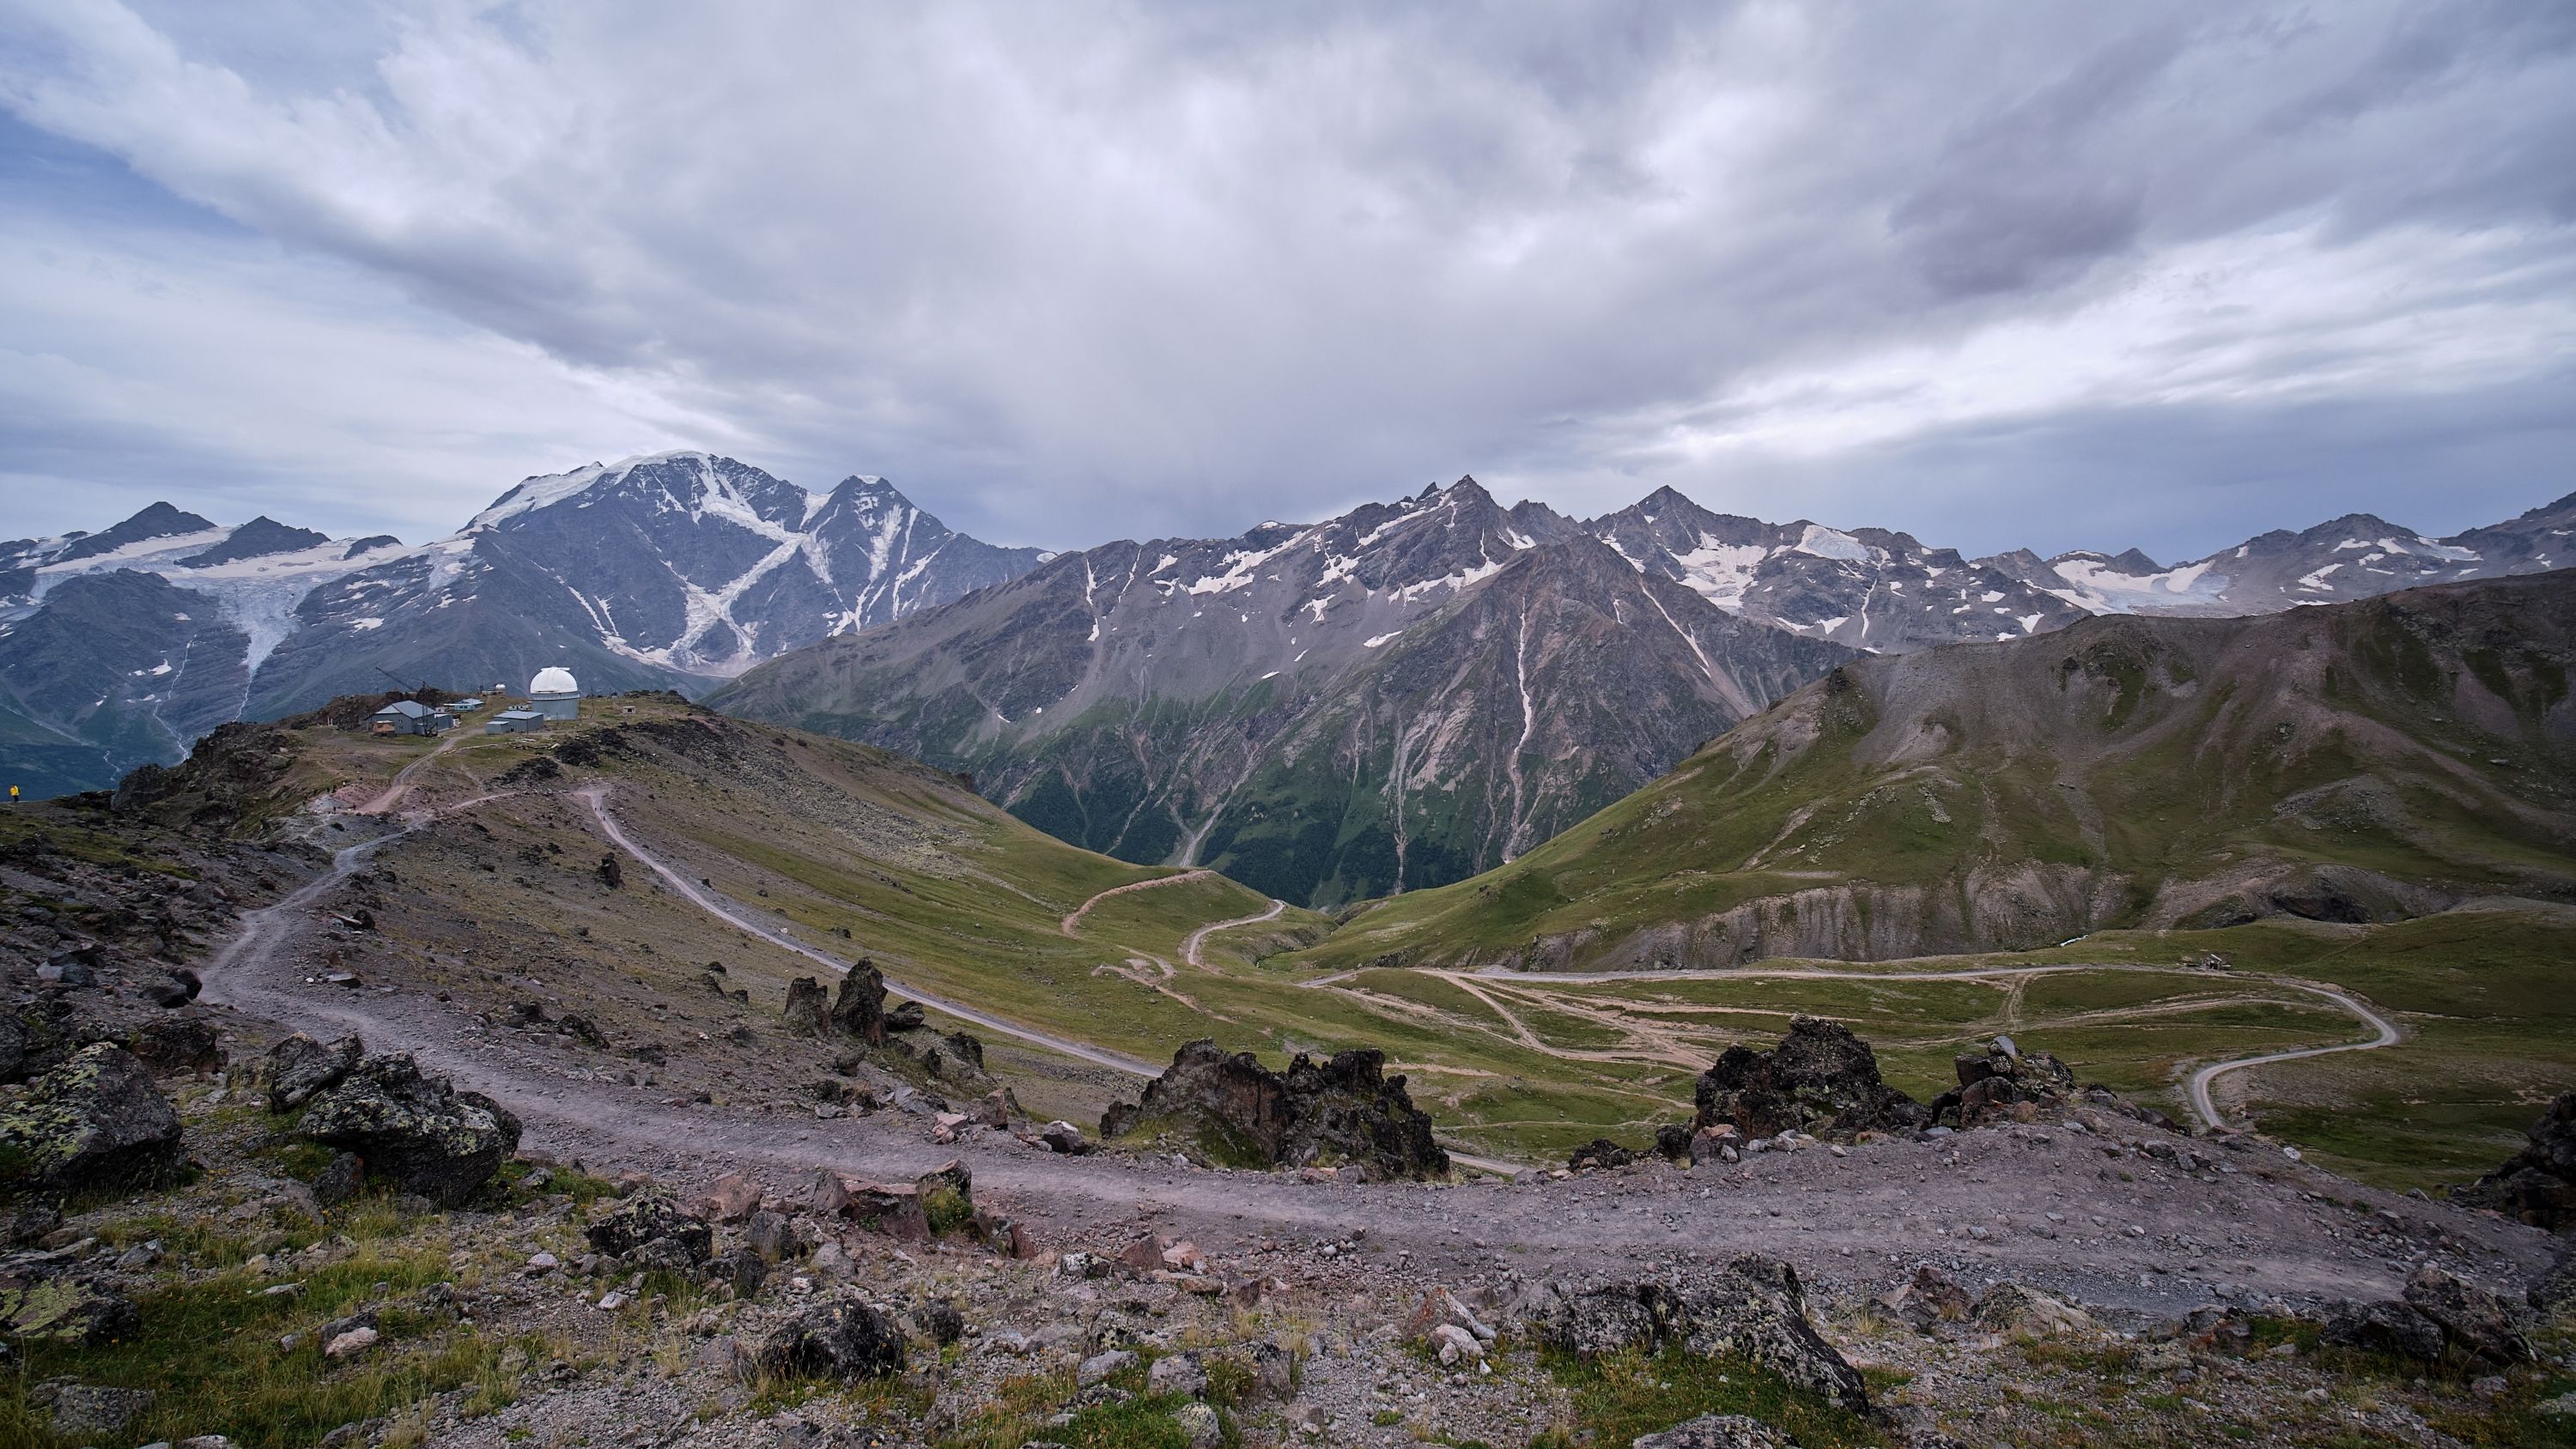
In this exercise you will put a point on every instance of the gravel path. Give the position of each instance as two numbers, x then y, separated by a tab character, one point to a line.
1190	947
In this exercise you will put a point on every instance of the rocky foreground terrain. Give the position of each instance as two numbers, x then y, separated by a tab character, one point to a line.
265	1186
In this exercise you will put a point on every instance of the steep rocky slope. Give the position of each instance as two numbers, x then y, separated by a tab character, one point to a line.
2360	762
1394	698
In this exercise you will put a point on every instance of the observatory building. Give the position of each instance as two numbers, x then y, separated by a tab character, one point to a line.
554	693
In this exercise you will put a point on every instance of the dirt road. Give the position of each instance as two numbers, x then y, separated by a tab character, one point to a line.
2200	1080
1190	947
1072	922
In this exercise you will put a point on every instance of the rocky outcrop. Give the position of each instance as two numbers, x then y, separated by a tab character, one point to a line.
1599	1152
843	1339
809	1011
1996	1081
1820	1079
96	1121
298	1067
858	1012
2472	1319
2538	1184
1240	1113
650	1231
1754	1310
417	1132
39	1303
2385	1327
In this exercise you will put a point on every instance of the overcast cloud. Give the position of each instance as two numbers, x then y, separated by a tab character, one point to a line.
2054	275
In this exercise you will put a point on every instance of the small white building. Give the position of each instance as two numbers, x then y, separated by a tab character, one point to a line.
555	694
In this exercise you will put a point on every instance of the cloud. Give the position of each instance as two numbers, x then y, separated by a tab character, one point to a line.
1168	269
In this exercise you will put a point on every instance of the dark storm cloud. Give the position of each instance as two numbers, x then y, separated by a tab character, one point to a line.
1148	269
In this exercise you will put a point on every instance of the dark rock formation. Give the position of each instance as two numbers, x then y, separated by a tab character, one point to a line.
299	1067
62	1308
858	1012
2387	1327
2538	1184
1599	1152
1240	1113
649	1217
1755	1309
2555	1288
1996	1081
905	1016
809	1011
417	1132
177	1044
1819	1079
96	1121
2471	1317
842	1339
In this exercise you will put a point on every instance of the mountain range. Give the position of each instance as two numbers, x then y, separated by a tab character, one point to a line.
1415	692
1399	697
2370	761
119	648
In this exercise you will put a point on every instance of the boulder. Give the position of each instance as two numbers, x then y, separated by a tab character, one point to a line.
2003	1083
1929	1297
96	1121
299	1067
843	1339
1673	1142
1718	1144
1064	1137
904	1016
940	1322
729	1199
1820	1078
90	1411
965	1048
742	1270
1755	1310
651	1217
2471	1317
13	1047
1599	1152
1240	1113
2385	1327
2554	1290
774	1236
809	1011
63	1308
2538	1184
419	1133
169	1044
1716	1431
858	1011
2013	1308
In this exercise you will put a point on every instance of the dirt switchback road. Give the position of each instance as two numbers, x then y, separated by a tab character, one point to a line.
2077	1212
1073	922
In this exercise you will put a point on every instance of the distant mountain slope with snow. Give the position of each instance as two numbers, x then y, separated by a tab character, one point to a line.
674	570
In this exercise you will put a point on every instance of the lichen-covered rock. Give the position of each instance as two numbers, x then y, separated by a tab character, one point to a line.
416	1132
178	1044
2555	1289
2538	1184
1820	1079
2385	1327
1716	1431
96	1121
63	1308
649	1217
1242	1114
843	1339
2479	1321
2014	1308
1754	1310
299	1067
858	1011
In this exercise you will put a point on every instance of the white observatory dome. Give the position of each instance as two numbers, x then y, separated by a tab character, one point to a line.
555	679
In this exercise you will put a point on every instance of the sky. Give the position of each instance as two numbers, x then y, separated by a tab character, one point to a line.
2000	275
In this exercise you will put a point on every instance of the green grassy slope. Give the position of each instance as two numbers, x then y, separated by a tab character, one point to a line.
2370	761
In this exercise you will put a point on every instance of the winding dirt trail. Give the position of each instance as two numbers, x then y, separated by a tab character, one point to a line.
2388	1035
400	785
1190	947
596	797
1070	922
